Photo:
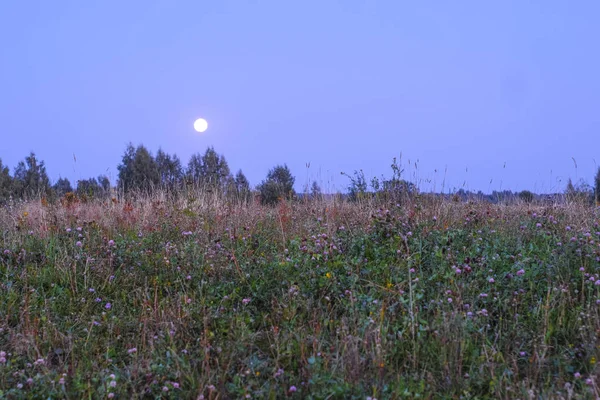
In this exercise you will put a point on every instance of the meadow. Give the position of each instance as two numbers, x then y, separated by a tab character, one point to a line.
200	298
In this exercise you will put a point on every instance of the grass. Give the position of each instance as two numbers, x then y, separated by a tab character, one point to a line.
188	298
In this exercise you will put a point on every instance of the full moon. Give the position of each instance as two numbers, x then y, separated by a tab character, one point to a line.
200	125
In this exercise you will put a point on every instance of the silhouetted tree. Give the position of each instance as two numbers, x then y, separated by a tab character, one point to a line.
138	170
209	170
315	190
526	196
242	186
62	187
104	183
597	187
570	189
93	187
581	192
169	169
6	183
30	178
358	185
279	184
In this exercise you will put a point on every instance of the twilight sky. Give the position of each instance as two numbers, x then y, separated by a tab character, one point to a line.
506	92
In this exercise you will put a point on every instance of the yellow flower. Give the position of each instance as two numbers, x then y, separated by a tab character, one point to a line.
389	285
25	214
328	275
593	360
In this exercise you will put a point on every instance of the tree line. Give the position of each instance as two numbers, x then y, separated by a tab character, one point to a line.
142	172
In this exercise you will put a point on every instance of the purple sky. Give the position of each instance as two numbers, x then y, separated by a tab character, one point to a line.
506	92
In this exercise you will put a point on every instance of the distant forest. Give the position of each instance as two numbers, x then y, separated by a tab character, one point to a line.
141	172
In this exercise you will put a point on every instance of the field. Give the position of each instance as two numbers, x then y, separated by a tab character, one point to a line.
202	299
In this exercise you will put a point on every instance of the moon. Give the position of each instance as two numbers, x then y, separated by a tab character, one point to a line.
200	125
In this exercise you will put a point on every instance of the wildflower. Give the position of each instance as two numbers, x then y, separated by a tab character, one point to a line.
589	382
582	269
79	229
132	350
328	275
412	271
483	295
483	312
292	389
491	280
211	387
520	272
78	244
91	290
175	385
108	306
39	361
111	243
98	300
245	301
111	395
449	299
577	375
457	271
522	354
68	230
165	389
538	225
189	277
112	376
113	384
20	386
469	314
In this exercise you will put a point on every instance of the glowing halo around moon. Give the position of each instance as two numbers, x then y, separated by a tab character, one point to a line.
200	125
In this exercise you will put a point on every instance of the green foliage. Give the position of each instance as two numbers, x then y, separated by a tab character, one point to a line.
93	188
62	187
30	178
526	196
393	190
6	183
357	189
169	169
209	170
597	187
315	190
138	170
580	193
242	186
278	185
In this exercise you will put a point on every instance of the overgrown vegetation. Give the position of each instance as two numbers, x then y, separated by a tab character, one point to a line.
200	297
